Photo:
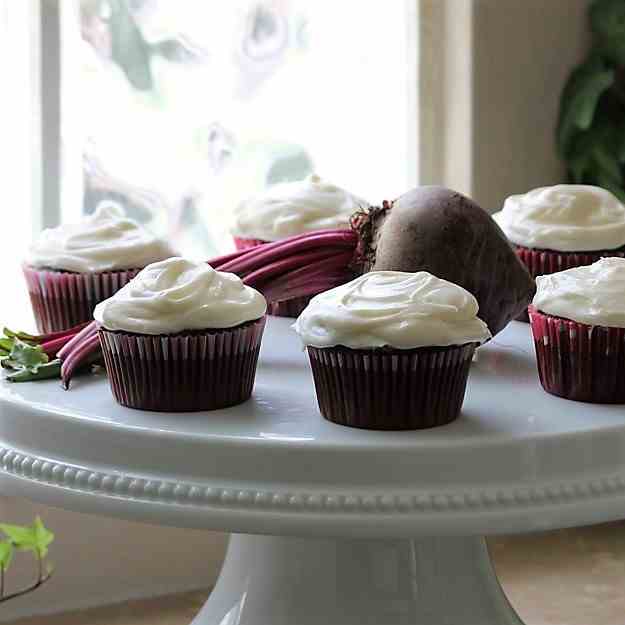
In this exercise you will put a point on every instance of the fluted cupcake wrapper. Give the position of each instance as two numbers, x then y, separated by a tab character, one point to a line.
183	372
543	262
391	389
62	299
243	243
579	361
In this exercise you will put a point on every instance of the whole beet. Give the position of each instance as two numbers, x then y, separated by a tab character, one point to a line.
441	231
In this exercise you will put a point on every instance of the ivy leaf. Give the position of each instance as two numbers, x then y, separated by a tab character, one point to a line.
580	99
6	554
22	537
43	537
36	538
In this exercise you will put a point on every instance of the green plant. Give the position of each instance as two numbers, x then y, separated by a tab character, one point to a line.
591	125
34	539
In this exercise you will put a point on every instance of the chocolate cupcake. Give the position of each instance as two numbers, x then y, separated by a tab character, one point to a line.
182	336
291	208
578	324
391	350
74	266
565	226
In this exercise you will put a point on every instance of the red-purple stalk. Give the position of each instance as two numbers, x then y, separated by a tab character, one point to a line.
299	266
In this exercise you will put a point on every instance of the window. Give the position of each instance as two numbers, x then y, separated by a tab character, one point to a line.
180	110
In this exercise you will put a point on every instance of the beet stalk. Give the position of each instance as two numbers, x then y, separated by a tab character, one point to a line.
427	229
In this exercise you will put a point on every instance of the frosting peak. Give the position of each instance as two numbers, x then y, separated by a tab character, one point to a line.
395	309
594	294
290	208
106	240
176	295
565	218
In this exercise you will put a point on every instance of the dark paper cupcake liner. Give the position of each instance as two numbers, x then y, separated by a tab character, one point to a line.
183	372
242	243
579	361
391	389
543	262
288	308
63	299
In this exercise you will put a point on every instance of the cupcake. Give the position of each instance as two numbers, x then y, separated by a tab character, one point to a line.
565	226
181	336
391	350
578	324
291	208
71	268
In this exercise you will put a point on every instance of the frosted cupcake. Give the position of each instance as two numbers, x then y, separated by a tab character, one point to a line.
71	268
182	336
392	350
578	323
288	209
565	226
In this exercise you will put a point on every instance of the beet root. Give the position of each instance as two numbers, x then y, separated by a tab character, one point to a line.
441	231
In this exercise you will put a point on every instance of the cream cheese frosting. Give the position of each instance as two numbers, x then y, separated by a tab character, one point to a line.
106	240
594	294
291	208
395	309
175	295
564	218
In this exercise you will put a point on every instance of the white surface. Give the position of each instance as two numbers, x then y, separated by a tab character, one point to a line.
293	581
517	459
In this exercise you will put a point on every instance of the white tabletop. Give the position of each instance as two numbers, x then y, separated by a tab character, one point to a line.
517	459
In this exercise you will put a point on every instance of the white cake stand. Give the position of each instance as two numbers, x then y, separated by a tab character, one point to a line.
335	526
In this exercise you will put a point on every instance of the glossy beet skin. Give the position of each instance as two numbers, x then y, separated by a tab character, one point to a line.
441	231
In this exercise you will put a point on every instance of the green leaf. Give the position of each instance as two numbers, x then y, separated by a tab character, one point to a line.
46	371
608	164
36	538
579	101
43	537
6	344
6	554
22	537
23	336
607	18
30	357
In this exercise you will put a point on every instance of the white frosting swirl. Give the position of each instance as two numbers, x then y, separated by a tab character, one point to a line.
594	294
291	208
565	218
394	309
177	294
104	241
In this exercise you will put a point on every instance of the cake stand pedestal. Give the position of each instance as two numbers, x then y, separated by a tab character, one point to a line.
333	526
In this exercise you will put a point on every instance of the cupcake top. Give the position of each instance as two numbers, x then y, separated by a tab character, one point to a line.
392	309
106	240
290	208
564	218
176	295
594	295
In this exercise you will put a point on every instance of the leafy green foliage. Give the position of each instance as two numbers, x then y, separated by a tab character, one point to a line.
6	554
591	125
21	353
36	539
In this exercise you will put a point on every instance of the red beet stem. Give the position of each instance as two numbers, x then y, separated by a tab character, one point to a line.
89	330
216	262
302	259
265	254
52	347
77	357
310	280
52	336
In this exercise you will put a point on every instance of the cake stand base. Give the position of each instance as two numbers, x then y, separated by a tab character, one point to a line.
298	581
